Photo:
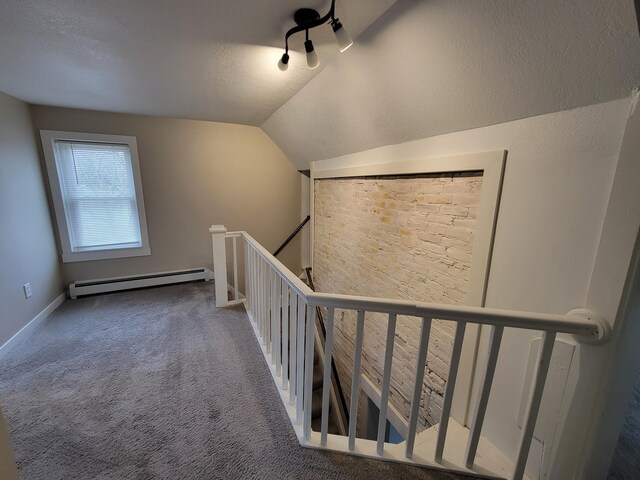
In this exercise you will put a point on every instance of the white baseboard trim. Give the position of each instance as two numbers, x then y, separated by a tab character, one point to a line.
33	323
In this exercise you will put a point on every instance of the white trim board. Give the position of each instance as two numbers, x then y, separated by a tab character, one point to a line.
492	165
32	324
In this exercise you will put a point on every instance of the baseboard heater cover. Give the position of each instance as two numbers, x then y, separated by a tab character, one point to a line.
104	285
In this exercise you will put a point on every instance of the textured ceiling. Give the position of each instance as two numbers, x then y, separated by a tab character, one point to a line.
200	59
440	66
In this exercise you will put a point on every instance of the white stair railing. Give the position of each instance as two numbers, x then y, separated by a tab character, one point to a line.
282	312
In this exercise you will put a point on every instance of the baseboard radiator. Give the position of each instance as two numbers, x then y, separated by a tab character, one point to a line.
103	285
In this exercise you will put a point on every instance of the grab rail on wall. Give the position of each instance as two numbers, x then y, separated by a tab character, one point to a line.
282	311
291	237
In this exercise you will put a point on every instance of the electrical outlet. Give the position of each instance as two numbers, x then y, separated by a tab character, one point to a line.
27	290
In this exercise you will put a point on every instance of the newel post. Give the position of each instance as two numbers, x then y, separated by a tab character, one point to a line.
218	234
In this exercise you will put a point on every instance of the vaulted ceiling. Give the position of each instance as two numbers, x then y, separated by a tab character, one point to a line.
417	69
433	67
200	59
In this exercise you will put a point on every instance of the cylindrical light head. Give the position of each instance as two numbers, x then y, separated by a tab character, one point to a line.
343	38
312	56
283	64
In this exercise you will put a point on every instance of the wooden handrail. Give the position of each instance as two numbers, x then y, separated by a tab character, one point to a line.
293	234
588	328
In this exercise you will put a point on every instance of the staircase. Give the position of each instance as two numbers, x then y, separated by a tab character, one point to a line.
283	312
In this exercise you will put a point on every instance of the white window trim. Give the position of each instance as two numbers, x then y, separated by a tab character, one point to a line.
49	137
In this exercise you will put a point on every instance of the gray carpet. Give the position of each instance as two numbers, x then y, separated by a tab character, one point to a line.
157	383
625	464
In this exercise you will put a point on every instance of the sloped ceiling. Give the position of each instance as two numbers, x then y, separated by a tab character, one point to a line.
432	67
200	59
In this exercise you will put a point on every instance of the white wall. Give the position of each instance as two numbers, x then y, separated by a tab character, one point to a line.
614	291
559	173
27	246
431	67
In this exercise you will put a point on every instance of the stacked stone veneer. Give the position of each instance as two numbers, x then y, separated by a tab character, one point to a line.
406	237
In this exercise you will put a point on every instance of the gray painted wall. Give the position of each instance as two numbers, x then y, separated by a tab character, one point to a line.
194	174
427	68
27	246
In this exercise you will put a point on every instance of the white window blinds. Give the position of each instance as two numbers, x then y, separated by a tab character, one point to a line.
99	195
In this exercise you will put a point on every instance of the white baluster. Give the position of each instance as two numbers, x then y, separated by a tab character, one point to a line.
449	389
266	295
293	321
252	285
285	335
272	315
425	332
259	293
355	383
386	380
235	269
275	315
247	279
268	285
308	371
481	406
326	382
300	361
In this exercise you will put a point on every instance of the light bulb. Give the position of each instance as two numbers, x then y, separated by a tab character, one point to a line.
343	38
312	56
283	64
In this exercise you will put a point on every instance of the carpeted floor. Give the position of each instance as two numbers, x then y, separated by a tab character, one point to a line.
625	464
157	383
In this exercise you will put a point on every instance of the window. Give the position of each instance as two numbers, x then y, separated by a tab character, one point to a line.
97	195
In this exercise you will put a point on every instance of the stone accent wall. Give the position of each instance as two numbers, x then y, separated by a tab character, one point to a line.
406	237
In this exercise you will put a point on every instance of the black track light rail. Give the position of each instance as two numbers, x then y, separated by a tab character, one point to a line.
308	26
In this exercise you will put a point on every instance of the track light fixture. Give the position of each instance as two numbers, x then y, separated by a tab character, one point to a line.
306	19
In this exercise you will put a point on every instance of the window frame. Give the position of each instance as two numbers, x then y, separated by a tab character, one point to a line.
49	137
